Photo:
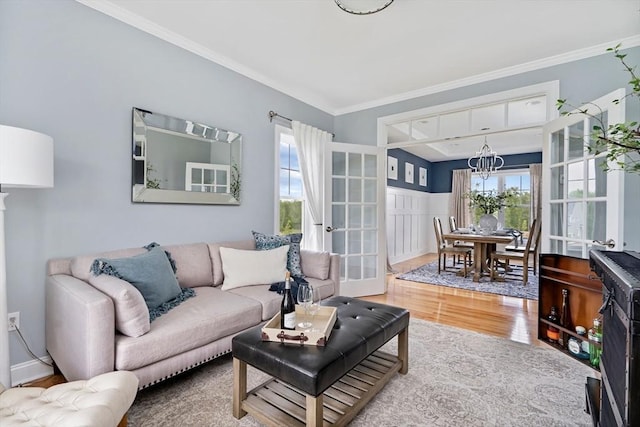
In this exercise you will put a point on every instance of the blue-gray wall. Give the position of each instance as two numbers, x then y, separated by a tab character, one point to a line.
443	171
439	174
417	162
73	73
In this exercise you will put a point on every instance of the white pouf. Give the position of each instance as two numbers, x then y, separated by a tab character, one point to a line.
100	401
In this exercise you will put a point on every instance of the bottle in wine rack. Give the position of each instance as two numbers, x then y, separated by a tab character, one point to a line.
553	334
288	306
565	317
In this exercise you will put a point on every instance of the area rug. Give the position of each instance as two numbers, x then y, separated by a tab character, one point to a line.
456	378
428	273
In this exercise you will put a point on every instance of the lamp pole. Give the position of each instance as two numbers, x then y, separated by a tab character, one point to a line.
5	364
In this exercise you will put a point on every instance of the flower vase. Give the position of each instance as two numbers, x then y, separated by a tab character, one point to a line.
488	222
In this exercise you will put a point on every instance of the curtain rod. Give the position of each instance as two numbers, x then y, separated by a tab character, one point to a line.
273	115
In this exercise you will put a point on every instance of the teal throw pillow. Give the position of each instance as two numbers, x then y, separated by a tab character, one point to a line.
270	241
151	273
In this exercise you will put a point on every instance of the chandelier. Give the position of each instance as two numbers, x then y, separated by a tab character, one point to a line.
486	161
363	7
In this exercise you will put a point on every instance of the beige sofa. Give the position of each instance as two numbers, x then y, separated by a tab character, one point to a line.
84	325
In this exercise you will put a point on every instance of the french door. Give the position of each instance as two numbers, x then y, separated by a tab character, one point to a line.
582	204
354	216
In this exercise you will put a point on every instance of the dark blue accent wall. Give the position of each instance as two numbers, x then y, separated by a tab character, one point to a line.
441	172
417	162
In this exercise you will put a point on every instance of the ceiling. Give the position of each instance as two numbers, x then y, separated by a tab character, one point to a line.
337	62
340	63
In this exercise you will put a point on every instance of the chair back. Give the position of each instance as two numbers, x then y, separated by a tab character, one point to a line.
437	225
534	232
452	224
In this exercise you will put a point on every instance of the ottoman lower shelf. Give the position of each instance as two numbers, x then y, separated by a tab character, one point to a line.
277	403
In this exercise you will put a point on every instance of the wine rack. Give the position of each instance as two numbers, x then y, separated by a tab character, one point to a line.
558	272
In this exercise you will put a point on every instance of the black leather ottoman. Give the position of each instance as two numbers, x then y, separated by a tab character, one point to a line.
332	382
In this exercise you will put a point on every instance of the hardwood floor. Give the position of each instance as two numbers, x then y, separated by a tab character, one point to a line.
512	318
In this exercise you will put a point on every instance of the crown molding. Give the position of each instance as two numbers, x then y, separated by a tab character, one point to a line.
154	29
563	58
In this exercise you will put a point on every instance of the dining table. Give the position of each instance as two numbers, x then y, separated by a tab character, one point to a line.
483	245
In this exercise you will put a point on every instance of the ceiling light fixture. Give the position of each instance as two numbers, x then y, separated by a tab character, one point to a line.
487	161
363	7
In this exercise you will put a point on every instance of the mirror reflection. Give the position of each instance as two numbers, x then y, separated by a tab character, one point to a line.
181	161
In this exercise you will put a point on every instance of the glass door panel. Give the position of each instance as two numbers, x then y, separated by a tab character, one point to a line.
557	182
576	140
557	146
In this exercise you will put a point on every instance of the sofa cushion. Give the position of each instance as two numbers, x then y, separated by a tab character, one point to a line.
270	241
216	261
194	264
247	268
210	315
131	312
151	273
269	300
315	264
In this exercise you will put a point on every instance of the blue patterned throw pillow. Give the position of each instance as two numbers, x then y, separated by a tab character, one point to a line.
271	241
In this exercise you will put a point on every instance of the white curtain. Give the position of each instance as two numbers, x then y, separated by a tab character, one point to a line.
311	144
535	173
459	203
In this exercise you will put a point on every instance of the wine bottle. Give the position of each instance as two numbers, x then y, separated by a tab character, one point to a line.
553	334
565	317
288	306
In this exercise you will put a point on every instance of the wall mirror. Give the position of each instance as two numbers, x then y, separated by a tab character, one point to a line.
181	161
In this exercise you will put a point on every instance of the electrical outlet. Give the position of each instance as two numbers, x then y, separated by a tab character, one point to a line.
14	321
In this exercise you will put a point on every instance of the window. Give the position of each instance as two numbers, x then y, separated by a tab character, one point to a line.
518	216
290	191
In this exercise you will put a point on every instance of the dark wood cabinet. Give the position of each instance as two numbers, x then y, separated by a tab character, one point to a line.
558	272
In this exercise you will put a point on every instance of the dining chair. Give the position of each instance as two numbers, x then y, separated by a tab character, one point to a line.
444	249
534	250
453	226
504	257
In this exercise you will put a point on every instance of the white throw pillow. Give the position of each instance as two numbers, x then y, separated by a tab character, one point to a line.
246	268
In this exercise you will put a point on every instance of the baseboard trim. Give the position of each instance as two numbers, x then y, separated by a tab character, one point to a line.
29	371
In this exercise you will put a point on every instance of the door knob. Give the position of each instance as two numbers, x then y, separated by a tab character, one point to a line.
608	243
329	229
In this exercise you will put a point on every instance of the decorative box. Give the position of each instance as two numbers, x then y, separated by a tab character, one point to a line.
318	334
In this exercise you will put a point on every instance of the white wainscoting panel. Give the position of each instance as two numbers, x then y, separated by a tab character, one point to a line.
410	222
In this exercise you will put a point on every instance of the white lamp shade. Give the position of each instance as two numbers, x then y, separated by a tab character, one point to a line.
26	158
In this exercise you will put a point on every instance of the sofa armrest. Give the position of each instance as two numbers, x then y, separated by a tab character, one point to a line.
80	327
321	265
334	272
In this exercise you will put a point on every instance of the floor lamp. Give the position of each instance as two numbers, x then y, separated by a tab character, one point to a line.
26	161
